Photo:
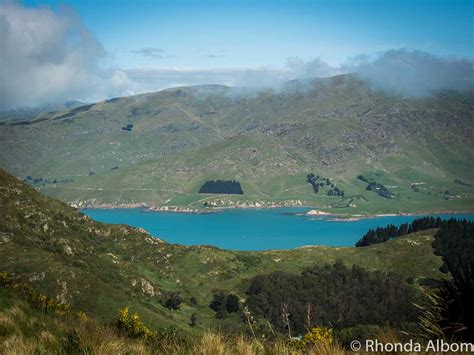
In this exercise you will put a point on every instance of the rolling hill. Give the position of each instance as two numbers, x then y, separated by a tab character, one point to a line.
159	148
99	268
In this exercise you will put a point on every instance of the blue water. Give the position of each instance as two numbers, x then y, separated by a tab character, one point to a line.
250	229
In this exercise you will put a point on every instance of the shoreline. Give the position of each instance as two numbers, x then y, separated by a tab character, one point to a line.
358	217
331	217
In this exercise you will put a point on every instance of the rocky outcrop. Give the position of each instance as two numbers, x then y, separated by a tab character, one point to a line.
145	287
317	213
229	202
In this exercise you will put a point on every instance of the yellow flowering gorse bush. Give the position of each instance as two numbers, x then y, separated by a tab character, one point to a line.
316	336
132	325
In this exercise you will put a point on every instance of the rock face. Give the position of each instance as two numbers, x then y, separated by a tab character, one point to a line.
229	202
39	276
146	287
66	247
61	297
4	238
174	209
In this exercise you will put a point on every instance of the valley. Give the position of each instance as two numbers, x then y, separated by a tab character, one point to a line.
236	177
99	268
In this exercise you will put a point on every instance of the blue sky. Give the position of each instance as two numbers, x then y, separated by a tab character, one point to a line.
91	50
209	34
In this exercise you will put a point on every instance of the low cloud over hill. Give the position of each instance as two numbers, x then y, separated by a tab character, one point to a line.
59	59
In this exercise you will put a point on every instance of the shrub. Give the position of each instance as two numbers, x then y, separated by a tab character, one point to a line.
193	320
232	303
174	301
223	304
72	344
132	326
316	337
40	301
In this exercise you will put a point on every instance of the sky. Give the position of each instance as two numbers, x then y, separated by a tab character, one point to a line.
125	47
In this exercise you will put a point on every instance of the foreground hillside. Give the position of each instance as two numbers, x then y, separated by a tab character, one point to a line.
27	330
100	268
159	148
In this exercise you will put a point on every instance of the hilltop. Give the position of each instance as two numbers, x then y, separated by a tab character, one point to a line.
160	148
13	116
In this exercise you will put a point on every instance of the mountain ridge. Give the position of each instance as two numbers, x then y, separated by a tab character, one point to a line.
270	140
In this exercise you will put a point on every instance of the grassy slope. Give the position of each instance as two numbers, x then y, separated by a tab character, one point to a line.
335	127
26	330
266	179
94	266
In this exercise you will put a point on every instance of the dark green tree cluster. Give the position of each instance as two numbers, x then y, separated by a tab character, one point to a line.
39	180
376	187
451	312
221	187
311	179
383	234
380	190
332	295
425	223
363	178
380	235
173	301
335	191
224	304
460	182
317	182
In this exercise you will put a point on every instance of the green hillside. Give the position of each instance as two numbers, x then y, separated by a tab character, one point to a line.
159	148
100	268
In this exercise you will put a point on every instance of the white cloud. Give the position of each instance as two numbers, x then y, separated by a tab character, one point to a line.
152	79
49	57
38	60
414	73
401	72
312	68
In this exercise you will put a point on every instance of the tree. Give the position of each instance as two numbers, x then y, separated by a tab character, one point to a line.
224	304
218	301
193	301
382	234
174	301
232	303
340	297
221	187
193	320
450	313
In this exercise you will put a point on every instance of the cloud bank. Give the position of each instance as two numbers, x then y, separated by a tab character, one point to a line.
43	54
414	73
48	57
